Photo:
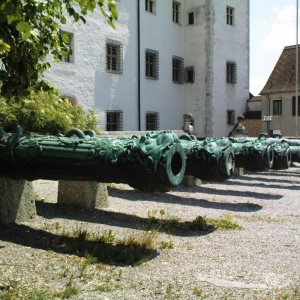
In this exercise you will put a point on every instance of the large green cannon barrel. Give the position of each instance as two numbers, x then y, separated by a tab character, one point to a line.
153	161
294	149
212	159
276	153
252	154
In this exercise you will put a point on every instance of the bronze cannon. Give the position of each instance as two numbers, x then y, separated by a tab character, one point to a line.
153	161
212	159
259	154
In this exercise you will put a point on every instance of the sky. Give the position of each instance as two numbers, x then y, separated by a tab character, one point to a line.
272	27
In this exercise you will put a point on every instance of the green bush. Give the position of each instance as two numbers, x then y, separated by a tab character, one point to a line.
46	113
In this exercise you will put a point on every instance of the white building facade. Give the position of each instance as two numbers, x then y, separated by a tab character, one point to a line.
164	59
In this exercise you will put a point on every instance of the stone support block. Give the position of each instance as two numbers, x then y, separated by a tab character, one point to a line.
190	181
83	194
16	201
239	171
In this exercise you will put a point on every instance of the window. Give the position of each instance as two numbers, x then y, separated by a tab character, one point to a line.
230	117
150	6
176	11
189	75
69	42
152	120
231	72
178	67
294	106
114	57
152	63
114	120
191	18
230	15
277	107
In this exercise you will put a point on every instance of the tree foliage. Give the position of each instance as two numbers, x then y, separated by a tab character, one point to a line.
45	112
30	31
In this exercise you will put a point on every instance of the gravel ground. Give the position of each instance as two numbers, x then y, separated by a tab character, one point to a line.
261	261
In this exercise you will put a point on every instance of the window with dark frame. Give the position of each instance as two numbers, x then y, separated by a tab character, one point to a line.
114	60
114	120
152	121
150	6
231	72
178	68
191	18
230	117
230	15
294	105
152	64
69	58
176	12
277	107
189	75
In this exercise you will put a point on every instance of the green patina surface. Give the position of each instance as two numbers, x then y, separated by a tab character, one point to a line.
261	154
154	161
211	159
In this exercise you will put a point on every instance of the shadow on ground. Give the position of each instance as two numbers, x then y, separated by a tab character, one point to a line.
104	252
173	227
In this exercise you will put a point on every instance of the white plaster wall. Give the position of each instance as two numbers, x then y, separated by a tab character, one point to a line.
207	99
209	44
254	105
196	39
231	43
160	33
86	79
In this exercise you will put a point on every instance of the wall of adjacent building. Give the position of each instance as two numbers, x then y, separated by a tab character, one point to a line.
286	122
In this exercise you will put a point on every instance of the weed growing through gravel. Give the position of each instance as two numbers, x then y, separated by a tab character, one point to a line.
205	224
258	218
69	290
14	292
291	295
171	292
199	293
167	245
160	221
105	248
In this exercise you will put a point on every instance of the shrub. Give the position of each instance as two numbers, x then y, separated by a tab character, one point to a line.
46	113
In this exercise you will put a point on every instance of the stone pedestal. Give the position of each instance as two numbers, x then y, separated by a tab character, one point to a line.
16	201
239	171
84	194
190	181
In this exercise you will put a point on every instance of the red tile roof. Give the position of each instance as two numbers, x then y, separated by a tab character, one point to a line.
282	78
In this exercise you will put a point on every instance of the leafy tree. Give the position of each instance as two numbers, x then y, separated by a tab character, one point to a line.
30	31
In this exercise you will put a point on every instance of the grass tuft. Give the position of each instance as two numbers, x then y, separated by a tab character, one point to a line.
105	248
209	224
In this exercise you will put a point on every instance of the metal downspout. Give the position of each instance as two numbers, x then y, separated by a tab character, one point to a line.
139	64
269	114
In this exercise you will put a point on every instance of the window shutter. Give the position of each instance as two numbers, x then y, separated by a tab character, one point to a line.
120	54
189	74
156	63
178	66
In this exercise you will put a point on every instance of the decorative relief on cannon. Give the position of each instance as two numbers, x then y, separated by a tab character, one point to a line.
153	161
211	159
